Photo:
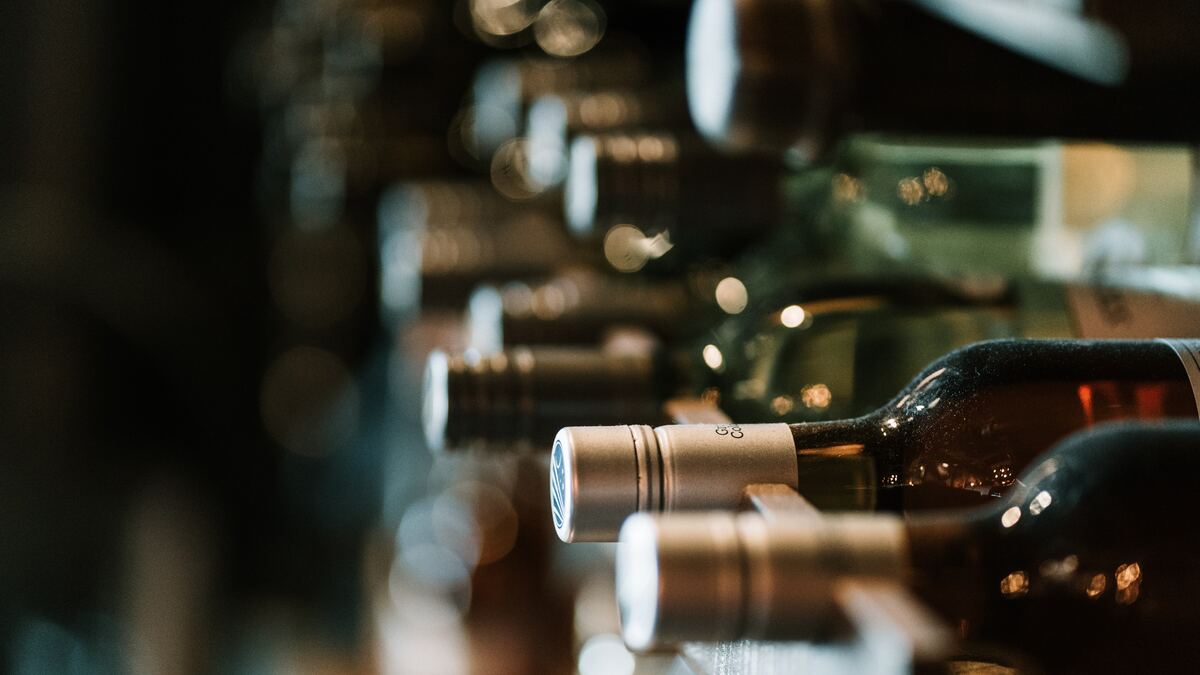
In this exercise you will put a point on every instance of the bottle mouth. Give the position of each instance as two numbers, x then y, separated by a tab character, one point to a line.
637	582
435	400
401	214
712	66
768	75
609	473
560	492
548	135
484	319
616	178
497	95
596	479
581	193
720	576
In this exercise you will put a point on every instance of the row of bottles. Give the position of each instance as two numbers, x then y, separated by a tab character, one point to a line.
809	308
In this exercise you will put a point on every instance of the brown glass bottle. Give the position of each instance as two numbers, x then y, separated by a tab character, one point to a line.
556	119
1092	539
439	239
703	203
1087	564
956	436
577	306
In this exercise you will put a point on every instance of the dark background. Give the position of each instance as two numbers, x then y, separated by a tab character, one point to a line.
132	297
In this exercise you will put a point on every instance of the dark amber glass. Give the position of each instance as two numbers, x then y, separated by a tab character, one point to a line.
971	421
1088	563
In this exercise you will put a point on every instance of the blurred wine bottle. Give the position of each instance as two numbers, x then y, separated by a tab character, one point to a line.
577	307
647	194
504	88
353	96
515	400
556	120
1051	209
1048	209
438	240
783	74
822	353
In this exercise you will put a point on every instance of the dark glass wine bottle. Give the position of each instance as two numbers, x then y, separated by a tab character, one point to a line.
648	192
950	207
1045	209
440	239
517	399
580	305
1087	564
957	435
503	89
817	352
520	396
556	119
576	307
787	74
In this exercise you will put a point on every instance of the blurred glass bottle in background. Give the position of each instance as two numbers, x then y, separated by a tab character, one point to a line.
783	75
1046	209
555	120
1049	209
827	357
504	88
667	197
438	240
579	306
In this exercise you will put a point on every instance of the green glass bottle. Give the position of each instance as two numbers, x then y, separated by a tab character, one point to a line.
1049	209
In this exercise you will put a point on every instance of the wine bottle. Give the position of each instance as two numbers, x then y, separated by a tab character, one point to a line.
438	240
957	435
529	392
819	352
575	307
837	358
556	119
784	74
672	185
1087	564
519	398
1042	209
503	89
1047	209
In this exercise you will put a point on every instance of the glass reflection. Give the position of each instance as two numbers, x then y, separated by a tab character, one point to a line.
713	357
569	27
731	295
1014	584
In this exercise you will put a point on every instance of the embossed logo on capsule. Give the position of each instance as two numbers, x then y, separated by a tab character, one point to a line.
558	486
730	430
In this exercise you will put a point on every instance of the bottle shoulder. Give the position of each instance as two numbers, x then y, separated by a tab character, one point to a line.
1008	360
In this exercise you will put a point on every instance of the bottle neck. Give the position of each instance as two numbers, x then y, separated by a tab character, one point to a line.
835	463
